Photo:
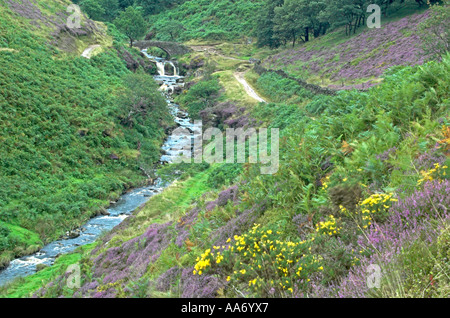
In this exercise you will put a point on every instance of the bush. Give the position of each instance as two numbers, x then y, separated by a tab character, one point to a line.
259	261
223	175
200	96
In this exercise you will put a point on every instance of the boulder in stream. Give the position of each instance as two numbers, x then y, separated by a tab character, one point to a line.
40	267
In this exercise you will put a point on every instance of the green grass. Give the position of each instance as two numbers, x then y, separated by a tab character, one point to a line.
20	242
233	90
245	51
24	234
252	78
278	89
173	201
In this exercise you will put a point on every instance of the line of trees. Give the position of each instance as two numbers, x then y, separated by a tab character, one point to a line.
283	21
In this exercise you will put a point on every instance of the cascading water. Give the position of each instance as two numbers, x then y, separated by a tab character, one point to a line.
168	82
127	203
161	68
161	64
174	68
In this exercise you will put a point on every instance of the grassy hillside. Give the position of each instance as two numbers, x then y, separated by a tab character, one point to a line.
48	21
67	145
207	20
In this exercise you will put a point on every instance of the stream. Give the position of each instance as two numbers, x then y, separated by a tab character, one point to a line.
127	203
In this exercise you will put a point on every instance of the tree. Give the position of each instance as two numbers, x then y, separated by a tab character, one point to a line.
156	6
140	98
350	13
131	23
123	4
265	24
290	21
150	6
93	9
111	8
101	10
312	13
171	28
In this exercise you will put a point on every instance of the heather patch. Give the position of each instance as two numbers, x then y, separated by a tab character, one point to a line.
236	226
184	225
195	286
359	61
166	281
113	268
420	216
230	194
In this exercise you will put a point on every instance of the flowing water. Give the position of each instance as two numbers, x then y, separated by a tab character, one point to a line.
127	203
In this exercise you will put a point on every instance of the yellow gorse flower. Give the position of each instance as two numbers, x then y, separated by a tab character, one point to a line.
376	204
263	253
432	174
328	227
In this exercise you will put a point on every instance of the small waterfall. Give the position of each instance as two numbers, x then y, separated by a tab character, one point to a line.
160	64
160	67
174	68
